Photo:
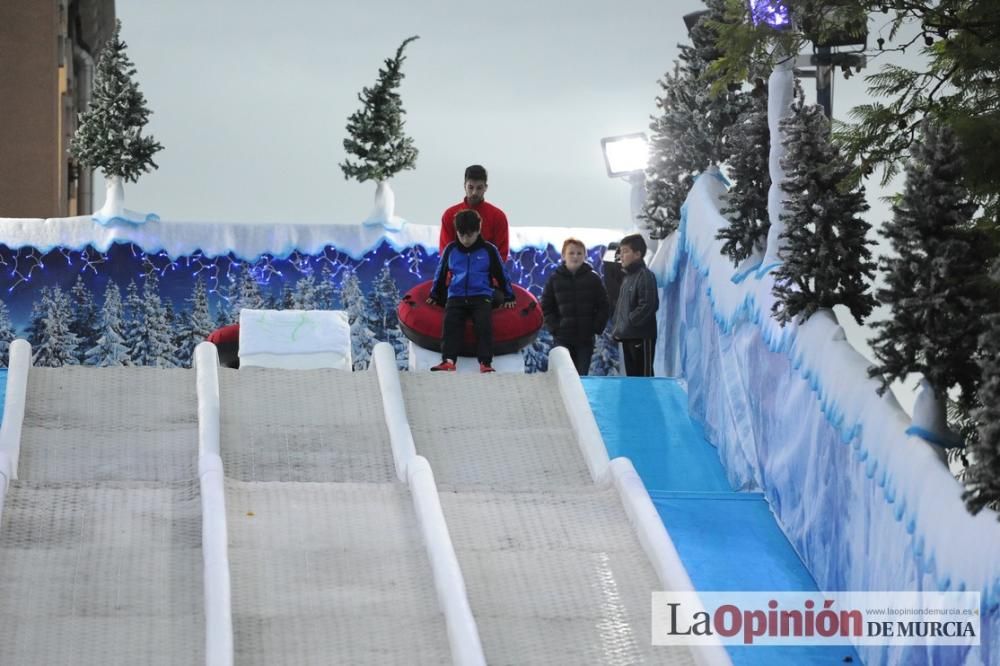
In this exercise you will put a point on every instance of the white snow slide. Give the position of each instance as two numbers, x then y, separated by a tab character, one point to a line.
554	571
325	548
100	540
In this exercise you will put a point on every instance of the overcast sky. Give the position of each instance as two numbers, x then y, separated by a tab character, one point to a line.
251	102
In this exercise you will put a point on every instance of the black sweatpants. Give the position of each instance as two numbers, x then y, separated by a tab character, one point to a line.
639	356
456	311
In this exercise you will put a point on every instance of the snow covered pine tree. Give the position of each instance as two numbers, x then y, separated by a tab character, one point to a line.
936	280
376	139
109	136
983	475
826	260
748	145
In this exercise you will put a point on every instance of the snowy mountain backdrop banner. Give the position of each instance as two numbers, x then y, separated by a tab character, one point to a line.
126	306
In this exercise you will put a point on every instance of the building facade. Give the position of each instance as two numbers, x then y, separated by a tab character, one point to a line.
48	51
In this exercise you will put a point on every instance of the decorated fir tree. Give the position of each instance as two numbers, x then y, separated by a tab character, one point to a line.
7	335
303	296
133	323
826	260
536	355
376	146
246	292
606	361
748	145
936	279
52	340
155	346
110	349
84	317
983	474
384	301
198	323
109	136
353	301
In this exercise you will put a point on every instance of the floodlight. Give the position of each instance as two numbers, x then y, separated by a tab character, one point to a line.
625	155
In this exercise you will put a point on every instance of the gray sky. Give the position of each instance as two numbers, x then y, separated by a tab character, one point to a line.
251	103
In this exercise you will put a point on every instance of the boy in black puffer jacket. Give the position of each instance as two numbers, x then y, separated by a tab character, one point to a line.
575	305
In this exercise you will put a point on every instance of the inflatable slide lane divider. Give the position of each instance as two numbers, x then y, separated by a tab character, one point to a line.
215	539
415	471
649	529
13	414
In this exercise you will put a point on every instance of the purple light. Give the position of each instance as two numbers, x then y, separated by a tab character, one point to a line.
772	12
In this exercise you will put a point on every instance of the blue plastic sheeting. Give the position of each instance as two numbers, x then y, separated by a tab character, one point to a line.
727	540
653	429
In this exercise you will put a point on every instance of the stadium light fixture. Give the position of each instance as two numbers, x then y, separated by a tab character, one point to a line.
625	155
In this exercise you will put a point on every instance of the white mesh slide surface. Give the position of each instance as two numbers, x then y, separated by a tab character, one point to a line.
502	431
556	578
330	573
303	425
100	543
326	558
554	572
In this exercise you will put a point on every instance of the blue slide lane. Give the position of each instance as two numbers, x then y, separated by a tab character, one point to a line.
727	540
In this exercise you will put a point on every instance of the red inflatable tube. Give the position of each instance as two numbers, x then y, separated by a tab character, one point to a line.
227	342
513	329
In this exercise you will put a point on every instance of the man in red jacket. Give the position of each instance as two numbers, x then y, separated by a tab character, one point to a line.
494	225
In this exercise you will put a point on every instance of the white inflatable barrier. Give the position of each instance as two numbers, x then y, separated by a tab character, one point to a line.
463	633
581	418
403	448
215	536
13	414
658	546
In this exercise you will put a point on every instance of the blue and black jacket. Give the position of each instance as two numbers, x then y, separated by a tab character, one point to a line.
474	271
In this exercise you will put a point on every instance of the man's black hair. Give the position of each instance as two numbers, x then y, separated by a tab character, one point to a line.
636	243
476	172
467	221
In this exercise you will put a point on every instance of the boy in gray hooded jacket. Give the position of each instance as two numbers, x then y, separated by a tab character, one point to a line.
634	322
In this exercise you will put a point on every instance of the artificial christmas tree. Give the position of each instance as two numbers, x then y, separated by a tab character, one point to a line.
7	334
983	474
110	348
748	146
936	279
825	255
109	136
377	141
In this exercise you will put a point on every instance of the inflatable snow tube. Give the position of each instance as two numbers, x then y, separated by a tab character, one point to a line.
513	329
227	342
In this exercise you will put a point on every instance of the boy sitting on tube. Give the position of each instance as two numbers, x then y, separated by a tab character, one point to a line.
474	266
